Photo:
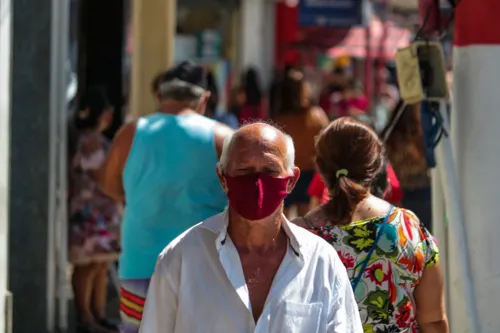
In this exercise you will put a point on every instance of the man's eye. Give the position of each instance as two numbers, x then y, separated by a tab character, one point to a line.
272	172
245	170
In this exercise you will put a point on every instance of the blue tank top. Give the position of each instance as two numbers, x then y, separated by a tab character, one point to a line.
170	184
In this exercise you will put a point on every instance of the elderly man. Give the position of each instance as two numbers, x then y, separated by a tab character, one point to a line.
162	168
249	269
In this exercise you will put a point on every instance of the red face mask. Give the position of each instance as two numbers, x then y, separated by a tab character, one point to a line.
256	196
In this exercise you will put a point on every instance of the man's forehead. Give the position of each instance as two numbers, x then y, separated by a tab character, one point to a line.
263	137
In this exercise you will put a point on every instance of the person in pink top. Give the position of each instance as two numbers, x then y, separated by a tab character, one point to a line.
351	101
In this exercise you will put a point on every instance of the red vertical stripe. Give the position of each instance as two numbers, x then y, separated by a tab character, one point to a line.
286	33
477	22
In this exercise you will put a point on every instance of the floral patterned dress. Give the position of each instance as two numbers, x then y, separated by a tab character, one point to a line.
385	292
94	217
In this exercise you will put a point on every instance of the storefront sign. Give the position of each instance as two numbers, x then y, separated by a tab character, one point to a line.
330	13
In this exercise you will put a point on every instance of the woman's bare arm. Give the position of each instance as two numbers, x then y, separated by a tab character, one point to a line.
429	296
314	202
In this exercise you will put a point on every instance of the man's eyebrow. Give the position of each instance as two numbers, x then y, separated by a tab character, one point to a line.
275	165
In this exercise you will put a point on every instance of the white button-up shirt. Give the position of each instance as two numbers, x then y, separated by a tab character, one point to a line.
199	287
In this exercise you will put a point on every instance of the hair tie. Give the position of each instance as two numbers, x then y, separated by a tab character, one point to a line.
342	172
84	113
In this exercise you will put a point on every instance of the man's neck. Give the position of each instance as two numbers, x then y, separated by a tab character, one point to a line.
176	111
175	108
262	236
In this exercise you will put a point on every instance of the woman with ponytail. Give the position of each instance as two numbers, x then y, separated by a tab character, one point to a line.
391	258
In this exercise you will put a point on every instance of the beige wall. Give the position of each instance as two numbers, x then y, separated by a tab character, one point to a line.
236	47
153	31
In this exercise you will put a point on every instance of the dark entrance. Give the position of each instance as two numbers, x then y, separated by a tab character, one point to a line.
101	51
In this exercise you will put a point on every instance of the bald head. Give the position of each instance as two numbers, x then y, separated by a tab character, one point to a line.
258	147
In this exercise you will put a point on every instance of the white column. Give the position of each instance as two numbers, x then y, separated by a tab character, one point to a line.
257	37
5	52
476	137
463	315
440	227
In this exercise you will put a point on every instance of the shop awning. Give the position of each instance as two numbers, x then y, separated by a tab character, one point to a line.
354	43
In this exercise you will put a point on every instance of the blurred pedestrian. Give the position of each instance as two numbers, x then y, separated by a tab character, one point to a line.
352	101
334	84
302	121
249	269
405	149
212	109
237	100
161	167
317	191
94	217
275	89
391	258
213	99
254	108
389	96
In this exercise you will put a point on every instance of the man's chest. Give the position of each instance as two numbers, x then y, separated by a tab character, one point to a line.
240	294
259	272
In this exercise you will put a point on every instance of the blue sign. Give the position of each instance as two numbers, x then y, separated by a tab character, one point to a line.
330	13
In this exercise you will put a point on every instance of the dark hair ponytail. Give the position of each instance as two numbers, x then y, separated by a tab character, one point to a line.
349	156
346	195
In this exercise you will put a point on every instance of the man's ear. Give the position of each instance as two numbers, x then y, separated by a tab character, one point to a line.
293	180
200	108
222	179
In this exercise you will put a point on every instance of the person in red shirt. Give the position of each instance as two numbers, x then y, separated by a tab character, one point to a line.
317	191
394	192
388	187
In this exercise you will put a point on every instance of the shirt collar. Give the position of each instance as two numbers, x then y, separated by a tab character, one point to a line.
218	224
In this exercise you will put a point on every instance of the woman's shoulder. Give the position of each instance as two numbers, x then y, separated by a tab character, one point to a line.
407	216
318	115
410	227
317	217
